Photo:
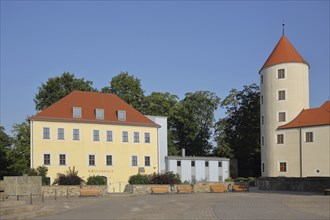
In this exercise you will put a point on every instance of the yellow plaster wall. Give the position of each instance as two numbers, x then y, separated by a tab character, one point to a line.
77	151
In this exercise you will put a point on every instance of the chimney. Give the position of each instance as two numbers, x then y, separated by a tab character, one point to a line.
183	152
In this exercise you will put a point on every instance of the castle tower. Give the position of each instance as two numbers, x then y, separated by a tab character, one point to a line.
284	93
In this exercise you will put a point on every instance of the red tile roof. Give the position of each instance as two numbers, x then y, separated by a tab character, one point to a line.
88	102
311	117
284	52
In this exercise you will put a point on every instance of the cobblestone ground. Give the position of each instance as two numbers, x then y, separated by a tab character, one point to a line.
253	205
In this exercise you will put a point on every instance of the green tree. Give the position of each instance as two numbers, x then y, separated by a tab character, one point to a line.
40	171
162	104
128	88
238	134
58	87
194	122
19	153
5	143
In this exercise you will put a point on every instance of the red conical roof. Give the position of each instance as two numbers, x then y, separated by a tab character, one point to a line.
284	52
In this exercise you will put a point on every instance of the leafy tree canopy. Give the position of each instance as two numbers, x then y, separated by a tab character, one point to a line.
58	87
127	87
5	144
193	122
238	134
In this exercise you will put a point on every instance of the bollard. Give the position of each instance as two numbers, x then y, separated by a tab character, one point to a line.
30	198
67	192
42	197
55	194
17	198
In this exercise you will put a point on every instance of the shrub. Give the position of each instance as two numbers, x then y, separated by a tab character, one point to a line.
40	171
166	178
70	178
139	179
96	180
229	179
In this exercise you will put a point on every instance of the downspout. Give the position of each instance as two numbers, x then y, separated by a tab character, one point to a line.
300	152
31	144
158	149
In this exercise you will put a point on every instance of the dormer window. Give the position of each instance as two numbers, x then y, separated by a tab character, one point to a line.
121	115
99	114
76	112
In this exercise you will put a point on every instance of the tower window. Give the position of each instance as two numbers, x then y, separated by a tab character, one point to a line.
281	74
261	79
280	139
281	95
192	163
283	167
262	100
178	163
281	116
262	141
263	167
262	120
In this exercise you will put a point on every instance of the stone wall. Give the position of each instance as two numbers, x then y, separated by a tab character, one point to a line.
69	191
197	187
2	185
22	185
307	184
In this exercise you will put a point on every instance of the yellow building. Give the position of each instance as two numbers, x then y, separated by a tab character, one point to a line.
98	134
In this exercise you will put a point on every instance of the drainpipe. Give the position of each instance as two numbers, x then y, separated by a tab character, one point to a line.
300	152
183	152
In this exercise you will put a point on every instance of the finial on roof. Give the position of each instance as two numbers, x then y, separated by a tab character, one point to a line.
283	27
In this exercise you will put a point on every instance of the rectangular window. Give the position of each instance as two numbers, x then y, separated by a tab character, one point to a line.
280	139
220	164
99	114
262	100
282	166
206	164
121	115
60	133
134	161
75	135
62	159
46	133
192	163
262	141
281	95
281	74
91	160
178	163
76	112
263	167
146	137
136	137
109	136
147	161
281	116
109	160
96	135
262	120
125	136
46	159
261	79
309	137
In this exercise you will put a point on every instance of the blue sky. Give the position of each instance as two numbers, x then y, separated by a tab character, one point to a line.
172	46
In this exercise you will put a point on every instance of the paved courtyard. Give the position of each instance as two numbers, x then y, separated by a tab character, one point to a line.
253	205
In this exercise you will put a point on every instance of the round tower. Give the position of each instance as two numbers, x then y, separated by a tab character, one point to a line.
284	93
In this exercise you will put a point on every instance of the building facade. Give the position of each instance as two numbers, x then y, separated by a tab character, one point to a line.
284	97
97	134
199	169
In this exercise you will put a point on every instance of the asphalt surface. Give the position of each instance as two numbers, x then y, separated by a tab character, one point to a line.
252	205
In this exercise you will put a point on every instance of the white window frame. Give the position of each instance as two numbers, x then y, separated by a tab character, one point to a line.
59	159
58	133
99	113
96	137
106	136
286	94
305	136
279	166
43	159
91	165
75	111
137	163
73	135
123	137
121	115
285	73
106	160
149	161
278	116
136	137
145	137
280	133
43	133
